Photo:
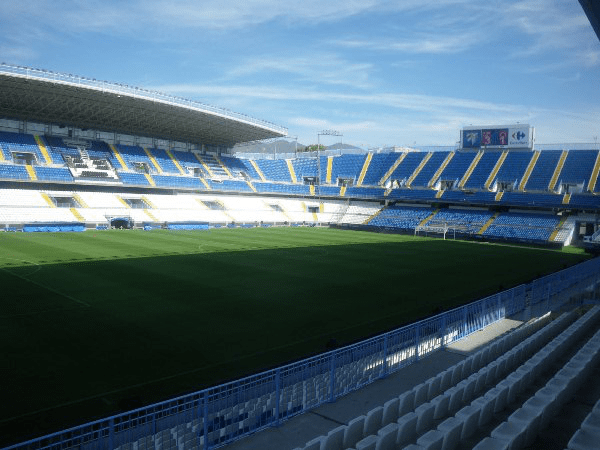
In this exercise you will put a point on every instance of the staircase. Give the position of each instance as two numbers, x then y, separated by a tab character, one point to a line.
153	160
487	224
495	170
77	215
470	170
43	149
118	156
364	169
204	165
556	174
150	180
290	167
594	176
438	172
428	218
418	169
262	175
374	215
329	169
223	167
172	156
393	167
31	172
557	229
530	166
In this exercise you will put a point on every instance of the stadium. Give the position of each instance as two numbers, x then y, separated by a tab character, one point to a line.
163	288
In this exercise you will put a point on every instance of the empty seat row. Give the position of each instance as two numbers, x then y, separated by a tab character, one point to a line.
414	410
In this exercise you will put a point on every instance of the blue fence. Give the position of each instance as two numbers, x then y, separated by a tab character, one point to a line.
216	416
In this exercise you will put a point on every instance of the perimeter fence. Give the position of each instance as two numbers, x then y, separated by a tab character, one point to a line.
218	415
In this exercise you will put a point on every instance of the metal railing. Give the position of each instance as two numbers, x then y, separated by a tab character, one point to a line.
123	89
219	415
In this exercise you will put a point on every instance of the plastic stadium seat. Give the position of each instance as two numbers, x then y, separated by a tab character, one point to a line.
313	444
387	437
500	394
432	440
421	394
368	443
490	443
354	431
441	403
407	428
434	387
334	439
390	411
424	414
511	432
446	379
530	419
373	421
470	418
456	396
452	430
407	402
486	406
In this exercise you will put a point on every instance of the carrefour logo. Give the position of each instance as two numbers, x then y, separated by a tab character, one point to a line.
518	135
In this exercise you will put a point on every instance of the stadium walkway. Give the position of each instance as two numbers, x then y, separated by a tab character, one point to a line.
297	431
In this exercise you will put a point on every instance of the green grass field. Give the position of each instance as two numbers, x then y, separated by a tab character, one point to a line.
97	322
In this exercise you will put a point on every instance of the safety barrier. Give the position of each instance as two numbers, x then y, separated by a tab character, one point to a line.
216	416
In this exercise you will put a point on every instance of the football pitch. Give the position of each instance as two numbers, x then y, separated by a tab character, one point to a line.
99	322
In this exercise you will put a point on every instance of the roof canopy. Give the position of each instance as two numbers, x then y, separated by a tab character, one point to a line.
47	97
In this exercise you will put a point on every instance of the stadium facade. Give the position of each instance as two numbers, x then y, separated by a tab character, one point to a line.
79	154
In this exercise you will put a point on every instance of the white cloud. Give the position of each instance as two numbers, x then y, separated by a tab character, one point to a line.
318	68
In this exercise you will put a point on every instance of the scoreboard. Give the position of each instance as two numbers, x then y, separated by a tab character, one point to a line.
504	136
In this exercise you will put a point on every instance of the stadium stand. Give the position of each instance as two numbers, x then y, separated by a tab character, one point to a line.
467	173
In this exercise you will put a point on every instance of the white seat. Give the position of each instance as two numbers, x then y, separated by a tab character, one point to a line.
457	373
407	403
441	403
467	367
407	429
452	429
592	421
500	394
367	443
390	411
470	417
486	406
511	432
480	377
456	396
432	440
334	439
434	387
446	379
531	419
469	391
490	443
354	431
314	444
373	421
425	414
421	394
387	437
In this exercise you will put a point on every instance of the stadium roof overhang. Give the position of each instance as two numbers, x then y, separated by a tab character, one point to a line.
592	11
67	100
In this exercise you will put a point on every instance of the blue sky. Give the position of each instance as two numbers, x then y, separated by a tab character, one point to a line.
379	72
